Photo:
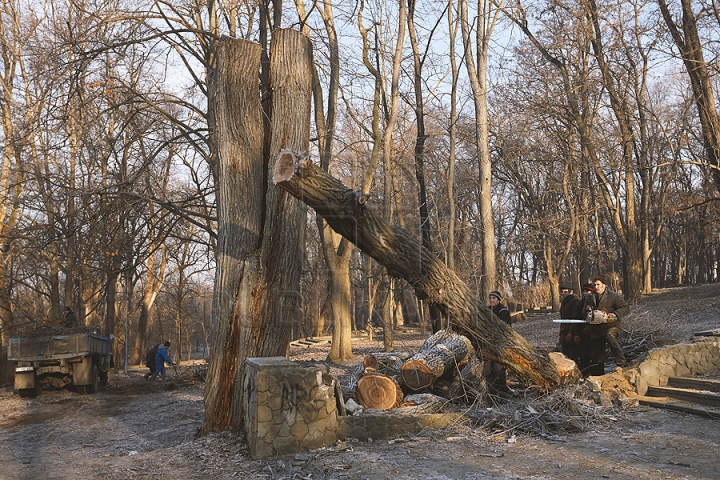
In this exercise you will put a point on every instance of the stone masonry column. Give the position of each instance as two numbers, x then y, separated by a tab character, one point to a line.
290	407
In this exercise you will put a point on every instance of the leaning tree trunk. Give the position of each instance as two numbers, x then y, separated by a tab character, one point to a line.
404	256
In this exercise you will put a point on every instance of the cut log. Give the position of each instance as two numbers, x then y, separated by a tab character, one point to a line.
404	256
387	363
442	351
470	385
566	368
375	390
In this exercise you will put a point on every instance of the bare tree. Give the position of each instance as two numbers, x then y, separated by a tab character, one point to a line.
476	63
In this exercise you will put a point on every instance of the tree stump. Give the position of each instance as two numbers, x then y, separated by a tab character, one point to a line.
375	390
442	351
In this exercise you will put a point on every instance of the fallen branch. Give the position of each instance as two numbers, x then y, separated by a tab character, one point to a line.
403	255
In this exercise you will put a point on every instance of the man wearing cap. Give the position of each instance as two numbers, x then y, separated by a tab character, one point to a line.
494	372
498	308
568	332
616	308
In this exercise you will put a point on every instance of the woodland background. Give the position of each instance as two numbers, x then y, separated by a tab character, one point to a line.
528	144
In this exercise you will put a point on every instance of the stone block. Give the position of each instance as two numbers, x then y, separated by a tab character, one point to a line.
299	431
648	368
287	419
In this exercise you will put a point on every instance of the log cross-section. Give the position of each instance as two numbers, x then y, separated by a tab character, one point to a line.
403	255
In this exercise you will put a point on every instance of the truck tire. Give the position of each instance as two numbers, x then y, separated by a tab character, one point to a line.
31	392
94	387
104	378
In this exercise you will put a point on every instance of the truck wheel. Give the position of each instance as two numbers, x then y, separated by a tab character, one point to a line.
30	392
95	385
104	378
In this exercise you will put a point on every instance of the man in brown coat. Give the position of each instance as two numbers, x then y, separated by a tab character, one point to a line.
616	308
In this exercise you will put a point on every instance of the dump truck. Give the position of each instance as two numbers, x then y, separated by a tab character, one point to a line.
79	360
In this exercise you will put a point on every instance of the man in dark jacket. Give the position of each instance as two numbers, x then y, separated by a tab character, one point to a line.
160	358
616	308
498	308
150	361
591	349
495	373
568	331
70	320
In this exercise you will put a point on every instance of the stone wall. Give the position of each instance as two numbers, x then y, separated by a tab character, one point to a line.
375	424
682	360
292	407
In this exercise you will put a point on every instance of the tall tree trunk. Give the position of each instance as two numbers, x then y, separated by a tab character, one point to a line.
153	284
477	73
260	230
336	250
691	49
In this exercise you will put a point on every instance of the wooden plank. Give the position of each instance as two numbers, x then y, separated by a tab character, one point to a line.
708	333
670	404
687	395
708	384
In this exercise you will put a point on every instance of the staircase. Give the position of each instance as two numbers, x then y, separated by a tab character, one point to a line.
700	396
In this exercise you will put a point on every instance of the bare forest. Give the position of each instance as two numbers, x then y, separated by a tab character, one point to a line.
525	144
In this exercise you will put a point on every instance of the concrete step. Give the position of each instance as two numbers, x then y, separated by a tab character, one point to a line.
695	383
686	395
680	406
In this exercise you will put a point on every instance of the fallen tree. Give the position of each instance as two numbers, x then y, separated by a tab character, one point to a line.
403	255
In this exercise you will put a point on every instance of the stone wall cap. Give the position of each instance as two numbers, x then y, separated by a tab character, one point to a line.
265	361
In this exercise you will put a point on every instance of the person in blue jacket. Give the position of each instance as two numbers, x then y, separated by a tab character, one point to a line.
160	358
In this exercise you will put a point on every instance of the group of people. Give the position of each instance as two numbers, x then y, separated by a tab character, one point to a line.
156	359
585	342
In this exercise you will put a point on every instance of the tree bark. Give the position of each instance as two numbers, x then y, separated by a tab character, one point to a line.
404	256
261	230
442	351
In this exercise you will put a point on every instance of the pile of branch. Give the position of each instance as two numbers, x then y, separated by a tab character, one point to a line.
636	342
555	413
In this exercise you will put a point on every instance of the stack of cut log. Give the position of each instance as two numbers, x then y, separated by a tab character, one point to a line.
445	365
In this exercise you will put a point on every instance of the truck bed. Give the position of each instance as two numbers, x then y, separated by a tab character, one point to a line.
55	347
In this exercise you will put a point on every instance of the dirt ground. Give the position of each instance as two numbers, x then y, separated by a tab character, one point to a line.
139	429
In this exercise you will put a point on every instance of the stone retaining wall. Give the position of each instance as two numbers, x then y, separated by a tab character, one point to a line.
384	423
292	407
682	360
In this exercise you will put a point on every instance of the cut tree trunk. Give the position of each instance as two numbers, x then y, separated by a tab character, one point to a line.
404	256
441	352
470	384
387	363
375	390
